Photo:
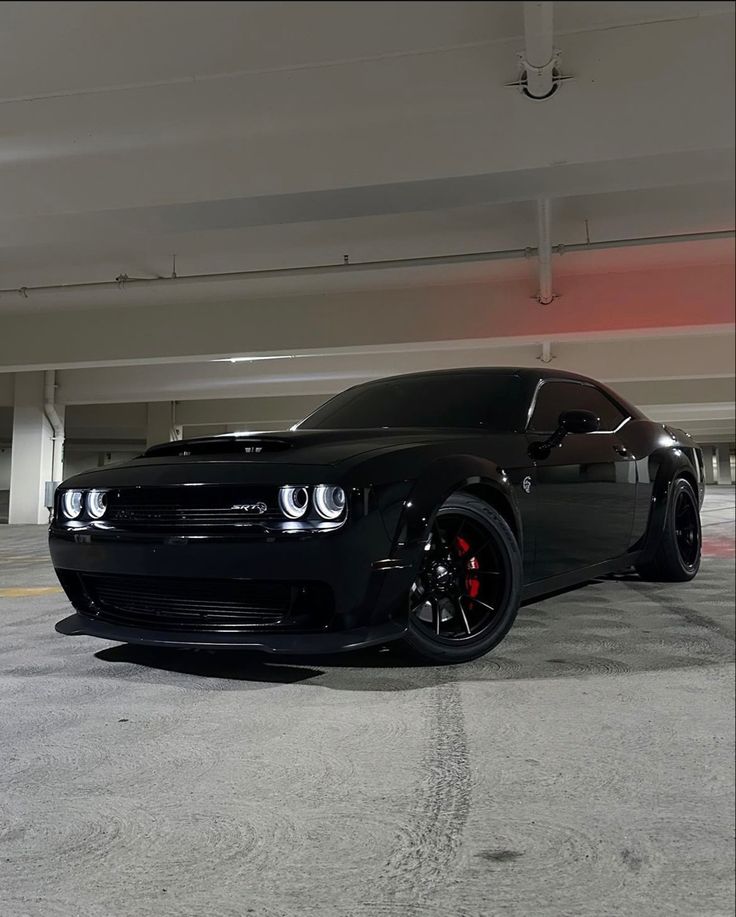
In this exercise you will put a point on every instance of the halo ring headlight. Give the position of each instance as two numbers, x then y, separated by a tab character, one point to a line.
96	503
71	503
329	501
293	501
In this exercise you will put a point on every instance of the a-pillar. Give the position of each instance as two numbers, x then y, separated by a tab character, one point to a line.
161	423
724	464
34	452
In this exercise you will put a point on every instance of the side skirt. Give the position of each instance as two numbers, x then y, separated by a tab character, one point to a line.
577	577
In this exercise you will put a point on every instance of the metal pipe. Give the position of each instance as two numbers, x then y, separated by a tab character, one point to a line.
544	252
56	424
359	266
647	240
267	273
539	54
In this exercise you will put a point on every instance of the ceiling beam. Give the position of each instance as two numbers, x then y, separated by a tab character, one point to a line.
634	302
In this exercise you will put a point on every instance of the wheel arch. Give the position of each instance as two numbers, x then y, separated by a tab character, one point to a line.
456	474
496	498
665	467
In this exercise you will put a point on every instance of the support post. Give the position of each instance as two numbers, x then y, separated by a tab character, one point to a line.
724	464
710	477
32	455
161	423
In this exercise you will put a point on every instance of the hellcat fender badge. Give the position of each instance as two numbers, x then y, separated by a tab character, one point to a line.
257	509
527	484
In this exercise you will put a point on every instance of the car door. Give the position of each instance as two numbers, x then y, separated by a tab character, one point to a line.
586	487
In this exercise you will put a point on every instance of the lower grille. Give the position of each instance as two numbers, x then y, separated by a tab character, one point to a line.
168	603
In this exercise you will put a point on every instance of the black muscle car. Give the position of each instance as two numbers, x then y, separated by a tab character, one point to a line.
422	508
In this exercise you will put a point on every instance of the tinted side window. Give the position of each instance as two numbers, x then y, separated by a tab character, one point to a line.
555	397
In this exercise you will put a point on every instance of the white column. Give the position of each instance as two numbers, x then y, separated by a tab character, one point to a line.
161	423
724	464
710	477
32	451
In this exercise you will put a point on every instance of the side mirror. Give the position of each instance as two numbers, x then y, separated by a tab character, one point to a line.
569	422
579	422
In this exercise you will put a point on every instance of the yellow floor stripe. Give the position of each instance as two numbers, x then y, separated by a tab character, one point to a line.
20	592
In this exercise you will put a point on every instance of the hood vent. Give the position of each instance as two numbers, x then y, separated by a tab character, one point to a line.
220	445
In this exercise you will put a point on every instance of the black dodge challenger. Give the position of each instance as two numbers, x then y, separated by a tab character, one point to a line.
422	508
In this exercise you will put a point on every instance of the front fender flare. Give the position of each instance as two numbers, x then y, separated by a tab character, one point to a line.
428	492
439	480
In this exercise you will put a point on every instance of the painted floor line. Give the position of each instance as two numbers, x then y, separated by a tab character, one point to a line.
19	592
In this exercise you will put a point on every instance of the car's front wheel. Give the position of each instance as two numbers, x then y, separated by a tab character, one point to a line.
467	593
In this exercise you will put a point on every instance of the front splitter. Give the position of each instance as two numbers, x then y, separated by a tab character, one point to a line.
296	644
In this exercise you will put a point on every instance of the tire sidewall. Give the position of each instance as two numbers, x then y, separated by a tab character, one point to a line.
679	486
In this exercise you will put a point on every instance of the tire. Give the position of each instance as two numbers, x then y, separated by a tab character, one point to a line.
445	628
677	558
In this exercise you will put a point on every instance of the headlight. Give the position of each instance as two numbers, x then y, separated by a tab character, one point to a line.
329	501
97	503
293	501
71	503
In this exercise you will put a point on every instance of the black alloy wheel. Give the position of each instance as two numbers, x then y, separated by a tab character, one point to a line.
466	594
687	527
677	558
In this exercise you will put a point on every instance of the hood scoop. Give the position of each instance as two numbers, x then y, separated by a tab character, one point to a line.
220	445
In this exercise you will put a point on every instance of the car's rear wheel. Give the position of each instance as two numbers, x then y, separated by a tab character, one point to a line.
677	558
467	593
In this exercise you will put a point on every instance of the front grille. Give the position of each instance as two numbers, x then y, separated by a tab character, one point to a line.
210	506
173	603
156	514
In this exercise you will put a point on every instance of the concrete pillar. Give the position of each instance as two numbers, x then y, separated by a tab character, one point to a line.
724	464
161	424
710	477
33	448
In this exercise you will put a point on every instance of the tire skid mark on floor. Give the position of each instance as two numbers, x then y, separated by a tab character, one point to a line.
685	612
428	848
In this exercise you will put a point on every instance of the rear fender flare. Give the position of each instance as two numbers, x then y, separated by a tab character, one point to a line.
665	466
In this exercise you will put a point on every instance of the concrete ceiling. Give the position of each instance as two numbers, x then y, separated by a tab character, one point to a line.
262	136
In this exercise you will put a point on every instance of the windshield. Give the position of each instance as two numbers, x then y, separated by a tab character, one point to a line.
491	401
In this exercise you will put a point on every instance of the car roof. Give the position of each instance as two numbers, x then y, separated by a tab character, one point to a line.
523	372
530	375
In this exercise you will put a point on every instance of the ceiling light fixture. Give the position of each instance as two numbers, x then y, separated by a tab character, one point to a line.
283	356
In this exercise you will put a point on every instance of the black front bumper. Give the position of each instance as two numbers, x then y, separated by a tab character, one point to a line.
368	598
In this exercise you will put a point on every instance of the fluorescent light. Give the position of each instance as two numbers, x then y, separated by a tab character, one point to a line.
284	356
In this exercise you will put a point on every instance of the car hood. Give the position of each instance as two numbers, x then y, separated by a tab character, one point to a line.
302	447
221	458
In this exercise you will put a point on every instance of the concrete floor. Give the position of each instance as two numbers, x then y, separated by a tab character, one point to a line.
585	768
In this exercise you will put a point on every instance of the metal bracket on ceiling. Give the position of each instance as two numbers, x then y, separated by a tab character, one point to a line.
540	74
539	82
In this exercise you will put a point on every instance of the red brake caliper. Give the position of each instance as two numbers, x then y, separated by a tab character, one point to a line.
472	582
